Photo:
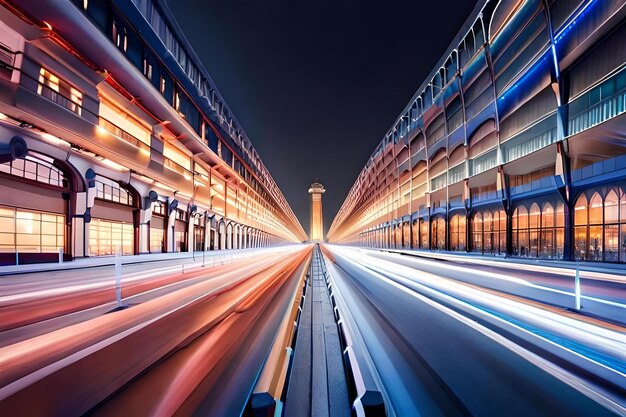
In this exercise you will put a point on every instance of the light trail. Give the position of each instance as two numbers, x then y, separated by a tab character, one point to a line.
596	349
116	347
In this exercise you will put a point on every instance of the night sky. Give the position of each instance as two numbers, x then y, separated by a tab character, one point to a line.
316	84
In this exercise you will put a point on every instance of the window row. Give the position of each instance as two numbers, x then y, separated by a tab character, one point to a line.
27	231
128	41
38	168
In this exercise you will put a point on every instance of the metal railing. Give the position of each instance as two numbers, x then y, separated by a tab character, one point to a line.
598	113
58	98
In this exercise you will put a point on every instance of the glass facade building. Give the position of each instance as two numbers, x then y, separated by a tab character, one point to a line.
511	146
113	136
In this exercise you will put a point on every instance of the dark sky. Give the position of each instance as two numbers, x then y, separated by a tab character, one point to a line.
316	84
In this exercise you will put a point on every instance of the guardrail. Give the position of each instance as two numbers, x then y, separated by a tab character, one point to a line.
364	392
269	393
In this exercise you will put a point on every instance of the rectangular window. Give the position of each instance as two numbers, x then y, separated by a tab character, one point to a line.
59	91
483	162
456	173
438	182
156	240
28	231
105	237
177	155
123	125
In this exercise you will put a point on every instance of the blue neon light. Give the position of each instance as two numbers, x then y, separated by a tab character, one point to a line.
574	20
556	61
527	75
560	35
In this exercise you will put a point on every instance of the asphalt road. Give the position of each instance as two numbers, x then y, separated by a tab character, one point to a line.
204	332
447	342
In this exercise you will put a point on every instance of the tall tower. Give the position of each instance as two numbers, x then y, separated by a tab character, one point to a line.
317	224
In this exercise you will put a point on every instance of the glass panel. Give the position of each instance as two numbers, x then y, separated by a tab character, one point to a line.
462	225
7	239
595	243
547	216
106	237
611	208
524	244
560	243
522	217
533	243
595	209
7	224
534	216
580	243
560	214
580	210
477	232
487	232
622	244
547	244
611	243
29	226
423	234
156	240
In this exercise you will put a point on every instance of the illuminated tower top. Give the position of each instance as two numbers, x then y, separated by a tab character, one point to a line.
317	224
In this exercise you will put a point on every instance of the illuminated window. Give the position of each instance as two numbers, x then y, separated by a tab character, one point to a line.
540	232
438	233
147	69
36	167
178	156
488	230
457	232
59	91
157	237
105	237
600	227
181	231
27	231
107	189
159	208
121	124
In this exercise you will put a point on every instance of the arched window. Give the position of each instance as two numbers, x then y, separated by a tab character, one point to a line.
457	232
580	227
611	227
406	235
36	167
548	237
487	232
423	233
477	232
534	219
521	242
110	190
595	228
502	232
438	233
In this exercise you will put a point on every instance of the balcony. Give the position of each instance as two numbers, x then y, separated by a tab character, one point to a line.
58	98
120	133
602	103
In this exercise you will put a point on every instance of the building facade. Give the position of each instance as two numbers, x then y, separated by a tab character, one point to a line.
114	137
317	220
513	145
